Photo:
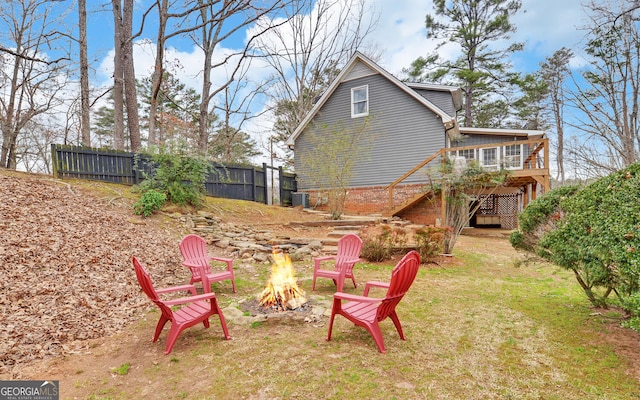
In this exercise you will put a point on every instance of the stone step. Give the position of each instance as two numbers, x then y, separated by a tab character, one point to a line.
336	223
330	241
330	250
348	228
341	233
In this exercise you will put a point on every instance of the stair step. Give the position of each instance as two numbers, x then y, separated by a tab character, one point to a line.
329	241
348	228
330	250
336	223
339	234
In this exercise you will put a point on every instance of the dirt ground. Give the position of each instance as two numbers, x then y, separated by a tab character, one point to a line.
67	287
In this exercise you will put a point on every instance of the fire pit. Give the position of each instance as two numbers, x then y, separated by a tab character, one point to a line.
282	292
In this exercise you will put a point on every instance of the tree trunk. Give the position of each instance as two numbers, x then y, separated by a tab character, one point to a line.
131	96
118	78
85	118
203	121
158	72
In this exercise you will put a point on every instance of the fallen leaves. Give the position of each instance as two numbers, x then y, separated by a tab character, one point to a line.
65	268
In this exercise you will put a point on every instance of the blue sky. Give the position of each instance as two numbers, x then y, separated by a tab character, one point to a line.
543	25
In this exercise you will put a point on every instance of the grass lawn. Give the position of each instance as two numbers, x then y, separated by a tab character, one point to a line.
477	327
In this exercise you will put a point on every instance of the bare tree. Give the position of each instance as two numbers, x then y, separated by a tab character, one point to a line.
85	115
235	112
217	21
555	71
124	90
118	77
609	98
30	83
158	70
307	52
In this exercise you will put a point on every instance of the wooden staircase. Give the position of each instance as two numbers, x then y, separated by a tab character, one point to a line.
411	202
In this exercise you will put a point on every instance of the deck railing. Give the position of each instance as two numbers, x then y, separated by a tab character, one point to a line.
522	157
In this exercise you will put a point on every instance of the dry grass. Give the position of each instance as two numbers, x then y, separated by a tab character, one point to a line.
477	328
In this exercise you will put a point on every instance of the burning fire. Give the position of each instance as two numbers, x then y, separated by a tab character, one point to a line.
282	289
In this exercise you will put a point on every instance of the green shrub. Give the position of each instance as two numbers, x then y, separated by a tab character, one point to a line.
540	209
429	242
594	232
149	202
180	177
633	306
377	247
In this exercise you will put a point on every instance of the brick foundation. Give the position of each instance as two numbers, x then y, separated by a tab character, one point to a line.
375	200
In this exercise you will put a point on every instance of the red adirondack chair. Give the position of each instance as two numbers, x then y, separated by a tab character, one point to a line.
195	257
348	254
196	309
368	312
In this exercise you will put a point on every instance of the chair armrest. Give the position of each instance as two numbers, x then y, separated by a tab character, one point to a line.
318	260
369	285
354	297
190	288
324	258
229	261
191	299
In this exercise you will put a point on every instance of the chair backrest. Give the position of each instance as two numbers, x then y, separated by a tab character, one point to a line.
349	246
193	246
145	283
402	276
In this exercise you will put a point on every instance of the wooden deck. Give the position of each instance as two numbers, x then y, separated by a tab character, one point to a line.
527	162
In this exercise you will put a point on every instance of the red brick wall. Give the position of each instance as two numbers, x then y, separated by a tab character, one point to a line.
426	212
375	200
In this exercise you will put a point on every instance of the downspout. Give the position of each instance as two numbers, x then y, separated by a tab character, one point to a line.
443	200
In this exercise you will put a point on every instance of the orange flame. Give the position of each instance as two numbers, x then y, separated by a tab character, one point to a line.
282	286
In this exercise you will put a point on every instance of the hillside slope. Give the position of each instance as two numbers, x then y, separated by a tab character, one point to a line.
65	261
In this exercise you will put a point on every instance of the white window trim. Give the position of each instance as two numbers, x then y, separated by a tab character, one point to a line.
366	101
508	159
484	163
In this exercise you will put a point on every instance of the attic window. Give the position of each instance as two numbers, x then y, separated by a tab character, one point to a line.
360	101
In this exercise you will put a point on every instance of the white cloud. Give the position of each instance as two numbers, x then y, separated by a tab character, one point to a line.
400	34
543	25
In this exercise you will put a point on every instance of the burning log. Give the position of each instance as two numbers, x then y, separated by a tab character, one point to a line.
282	289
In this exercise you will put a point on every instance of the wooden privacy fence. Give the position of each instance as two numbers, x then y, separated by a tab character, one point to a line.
260	184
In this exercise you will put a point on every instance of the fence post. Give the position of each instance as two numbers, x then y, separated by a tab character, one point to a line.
254	183
266	184
54	161
134	167
281	185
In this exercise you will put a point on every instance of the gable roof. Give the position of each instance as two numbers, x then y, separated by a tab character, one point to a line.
449	121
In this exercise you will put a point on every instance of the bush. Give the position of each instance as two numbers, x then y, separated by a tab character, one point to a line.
429	242
180	177
149	202
594	232
377	247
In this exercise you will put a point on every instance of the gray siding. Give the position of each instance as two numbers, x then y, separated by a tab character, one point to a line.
359	70
441	99
402	133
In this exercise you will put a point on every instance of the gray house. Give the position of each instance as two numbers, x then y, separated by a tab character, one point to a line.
402	132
